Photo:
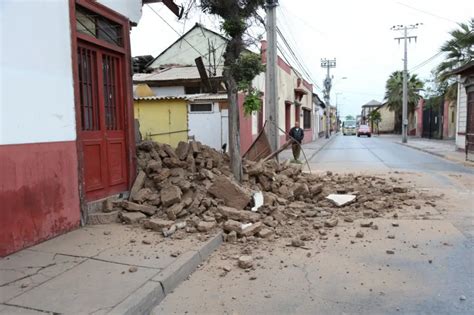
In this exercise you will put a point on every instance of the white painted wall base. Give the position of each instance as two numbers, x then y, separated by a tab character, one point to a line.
210	128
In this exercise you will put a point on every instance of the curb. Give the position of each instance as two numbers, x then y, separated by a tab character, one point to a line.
464	163
149	295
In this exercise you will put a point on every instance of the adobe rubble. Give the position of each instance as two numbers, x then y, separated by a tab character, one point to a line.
191	190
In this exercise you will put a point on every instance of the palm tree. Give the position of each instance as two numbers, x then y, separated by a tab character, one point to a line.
394	94
375	117
459	50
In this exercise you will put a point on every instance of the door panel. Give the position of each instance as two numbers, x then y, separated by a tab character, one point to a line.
102	110
93	164
116	158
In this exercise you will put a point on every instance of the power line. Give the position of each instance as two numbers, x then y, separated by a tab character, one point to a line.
166	22
295	58
426	12
423	63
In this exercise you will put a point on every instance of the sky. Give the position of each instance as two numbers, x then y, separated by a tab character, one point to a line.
356	33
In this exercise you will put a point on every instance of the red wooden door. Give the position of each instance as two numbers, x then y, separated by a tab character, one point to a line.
102	133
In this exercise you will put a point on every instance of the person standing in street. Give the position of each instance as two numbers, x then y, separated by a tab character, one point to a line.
297	135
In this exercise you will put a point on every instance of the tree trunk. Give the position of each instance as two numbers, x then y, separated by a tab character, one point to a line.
398	123
234	128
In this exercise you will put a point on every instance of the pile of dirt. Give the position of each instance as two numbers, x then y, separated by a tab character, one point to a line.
191	189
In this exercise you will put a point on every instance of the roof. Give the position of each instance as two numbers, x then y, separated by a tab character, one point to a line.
172	74
208	97
159	98
464	68
187	97
197	25
372	103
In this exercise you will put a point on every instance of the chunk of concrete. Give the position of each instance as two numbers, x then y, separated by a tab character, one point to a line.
157	224
146	209
253	229
137	185
264	233
170	195
229	191
245	262
239	215
182	150
173	211
132	217
204	226
341	199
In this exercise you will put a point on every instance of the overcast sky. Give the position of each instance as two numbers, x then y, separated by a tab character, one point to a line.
356	33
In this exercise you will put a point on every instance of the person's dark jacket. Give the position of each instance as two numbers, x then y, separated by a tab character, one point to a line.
297	134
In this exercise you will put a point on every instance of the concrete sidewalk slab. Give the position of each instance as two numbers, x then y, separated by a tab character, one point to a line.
157	254
88	271
27	269
153	292
9	310
91	287
88	241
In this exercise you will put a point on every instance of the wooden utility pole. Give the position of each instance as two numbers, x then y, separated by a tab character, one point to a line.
271	79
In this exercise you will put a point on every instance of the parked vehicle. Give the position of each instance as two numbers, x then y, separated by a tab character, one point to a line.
349	127
364	130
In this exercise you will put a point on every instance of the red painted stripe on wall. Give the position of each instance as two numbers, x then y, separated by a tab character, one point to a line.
39	196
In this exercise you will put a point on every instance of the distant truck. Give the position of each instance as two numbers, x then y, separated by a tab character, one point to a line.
349	127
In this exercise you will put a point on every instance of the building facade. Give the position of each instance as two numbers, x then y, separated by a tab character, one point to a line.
465	110
69	141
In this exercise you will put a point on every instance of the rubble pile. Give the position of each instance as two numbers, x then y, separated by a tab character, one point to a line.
191	189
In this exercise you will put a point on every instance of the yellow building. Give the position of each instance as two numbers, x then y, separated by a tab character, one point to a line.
162	119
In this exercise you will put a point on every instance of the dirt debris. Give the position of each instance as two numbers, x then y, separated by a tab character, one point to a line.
191	190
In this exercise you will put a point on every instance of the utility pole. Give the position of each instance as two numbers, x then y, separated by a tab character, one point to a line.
328	64
406	39
271	79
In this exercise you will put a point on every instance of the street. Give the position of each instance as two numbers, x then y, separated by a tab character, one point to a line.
429	269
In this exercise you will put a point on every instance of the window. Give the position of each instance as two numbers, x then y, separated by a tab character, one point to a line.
200	108
89	103
98	26
306	118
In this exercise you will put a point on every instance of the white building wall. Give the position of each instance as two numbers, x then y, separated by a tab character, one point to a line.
208	127
186	51
168	90
36	81
132	9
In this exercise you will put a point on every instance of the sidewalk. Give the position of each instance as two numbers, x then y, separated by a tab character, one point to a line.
102	269
310	149
443	148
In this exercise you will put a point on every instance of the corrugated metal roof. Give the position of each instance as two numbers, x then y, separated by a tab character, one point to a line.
161	97
173	73
208	97
188	97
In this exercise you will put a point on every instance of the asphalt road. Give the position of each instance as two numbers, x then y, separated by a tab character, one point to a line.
431	272
350	153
